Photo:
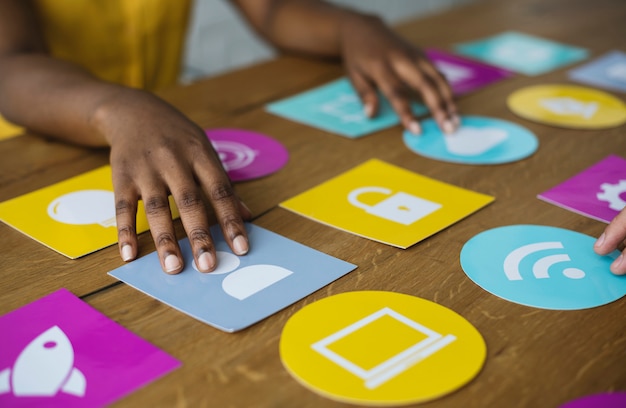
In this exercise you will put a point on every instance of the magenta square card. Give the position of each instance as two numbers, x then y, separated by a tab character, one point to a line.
598	192
60	352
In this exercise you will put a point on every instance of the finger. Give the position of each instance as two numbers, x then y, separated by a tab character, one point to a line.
444	88
614	237
398	95
159	217
126	199
366	91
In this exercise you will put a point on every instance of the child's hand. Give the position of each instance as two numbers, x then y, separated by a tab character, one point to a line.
157	151
376	58
614	237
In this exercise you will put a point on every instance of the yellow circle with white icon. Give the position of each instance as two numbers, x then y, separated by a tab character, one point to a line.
568	106
381	348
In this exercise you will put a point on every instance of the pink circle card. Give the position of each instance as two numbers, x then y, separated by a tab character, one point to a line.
247	155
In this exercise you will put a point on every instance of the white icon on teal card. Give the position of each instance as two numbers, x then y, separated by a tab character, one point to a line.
612	194
336	108
399	207
543	267
479	140
565	106
84	207
430	343
44	368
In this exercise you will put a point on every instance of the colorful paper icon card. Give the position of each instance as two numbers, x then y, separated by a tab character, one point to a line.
568	106
479	140
608	71
542	267
522	53
247	155
386	203
380	348
604	400
336	108
599	192
60	352
465	75
74	217
8	129
242	290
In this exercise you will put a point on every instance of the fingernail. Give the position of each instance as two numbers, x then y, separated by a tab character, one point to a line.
600	241
456	119
617	263
240	245
172	263
206	262
127	253
415	128
448	127
368	109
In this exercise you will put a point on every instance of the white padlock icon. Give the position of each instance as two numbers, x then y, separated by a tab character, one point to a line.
401	207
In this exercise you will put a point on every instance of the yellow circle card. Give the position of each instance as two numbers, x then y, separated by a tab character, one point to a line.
381	348
568	106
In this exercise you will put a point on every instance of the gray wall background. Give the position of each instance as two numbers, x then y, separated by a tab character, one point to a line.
219	40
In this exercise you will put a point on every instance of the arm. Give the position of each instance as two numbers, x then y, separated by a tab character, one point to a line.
155	149
374	56
614	237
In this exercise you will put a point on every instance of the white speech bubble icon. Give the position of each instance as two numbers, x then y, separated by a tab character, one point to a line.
84	207
471	141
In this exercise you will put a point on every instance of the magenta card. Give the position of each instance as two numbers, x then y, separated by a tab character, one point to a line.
60	352
598	192
463	74
607	400
247	155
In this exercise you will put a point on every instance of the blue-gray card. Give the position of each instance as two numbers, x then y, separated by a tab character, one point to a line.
243	289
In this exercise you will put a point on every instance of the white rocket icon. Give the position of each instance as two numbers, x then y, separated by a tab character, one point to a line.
44	367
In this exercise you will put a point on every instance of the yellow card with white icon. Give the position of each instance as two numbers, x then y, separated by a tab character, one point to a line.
74	217
387	203
568	106
8	129
381	348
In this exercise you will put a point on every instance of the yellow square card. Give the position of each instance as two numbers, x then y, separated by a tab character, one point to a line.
386	203
74	217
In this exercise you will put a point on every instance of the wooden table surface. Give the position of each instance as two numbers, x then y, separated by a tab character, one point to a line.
536	358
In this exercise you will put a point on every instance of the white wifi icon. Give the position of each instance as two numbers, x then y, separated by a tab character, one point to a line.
540	268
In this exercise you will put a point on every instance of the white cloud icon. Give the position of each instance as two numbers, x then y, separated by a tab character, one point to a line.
472	141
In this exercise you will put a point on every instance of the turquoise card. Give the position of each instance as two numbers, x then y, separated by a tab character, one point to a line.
243	289
522	53
336	108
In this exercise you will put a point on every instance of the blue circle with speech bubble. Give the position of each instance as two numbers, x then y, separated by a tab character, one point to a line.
479	140
543	267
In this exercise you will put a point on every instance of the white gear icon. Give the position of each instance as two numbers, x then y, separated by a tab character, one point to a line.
611	194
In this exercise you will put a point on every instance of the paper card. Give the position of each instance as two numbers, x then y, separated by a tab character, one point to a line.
616	399
242	290
465	75
74	217
381	348
247	155
479	140
522	53
8	129
336	108
385	203
598	192
543	267
608	71
60	352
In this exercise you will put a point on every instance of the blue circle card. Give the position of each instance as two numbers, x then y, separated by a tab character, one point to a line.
479	140
543	267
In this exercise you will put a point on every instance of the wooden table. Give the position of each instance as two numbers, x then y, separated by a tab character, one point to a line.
536	358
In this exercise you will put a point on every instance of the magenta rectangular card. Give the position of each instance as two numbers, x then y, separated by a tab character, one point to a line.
60	352
598	192
463	74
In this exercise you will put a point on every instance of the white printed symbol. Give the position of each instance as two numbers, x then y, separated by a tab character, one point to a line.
396	364
617	71
248	280
454	73
401	207
521	52
84	207
611	193
470	141
569	106
347	107
540	268
44	367
233	155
